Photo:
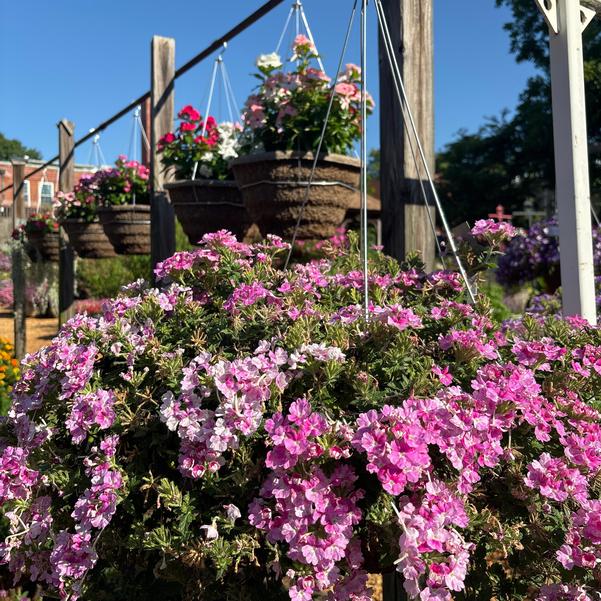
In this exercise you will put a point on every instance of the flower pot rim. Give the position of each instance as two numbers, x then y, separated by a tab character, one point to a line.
84	221
200	183
121	208
41	234
283	155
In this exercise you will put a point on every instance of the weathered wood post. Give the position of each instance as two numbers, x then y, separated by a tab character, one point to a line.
66	182
162	228
18	260
405	223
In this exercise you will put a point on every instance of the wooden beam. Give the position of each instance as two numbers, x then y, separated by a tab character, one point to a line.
405	223
66	182
18	261
162	228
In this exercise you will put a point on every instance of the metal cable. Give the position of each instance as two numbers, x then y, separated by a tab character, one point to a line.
396	70
363	219
323	133
414	157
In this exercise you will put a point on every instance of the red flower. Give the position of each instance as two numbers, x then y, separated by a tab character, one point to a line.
189	112
185	126
167	138
211	123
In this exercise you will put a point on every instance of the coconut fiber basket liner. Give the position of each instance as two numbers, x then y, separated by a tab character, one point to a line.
88	239
204	206
127	227
274	187
43	246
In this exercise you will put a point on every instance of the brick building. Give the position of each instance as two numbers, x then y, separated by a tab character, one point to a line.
39	190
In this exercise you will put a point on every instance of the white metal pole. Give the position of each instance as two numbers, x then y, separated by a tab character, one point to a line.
571	163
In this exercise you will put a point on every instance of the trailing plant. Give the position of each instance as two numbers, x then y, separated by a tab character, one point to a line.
288	110
200	148
244	432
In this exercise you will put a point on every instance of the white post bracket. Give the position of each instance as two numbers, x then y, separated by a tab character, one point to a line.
567	19
588	10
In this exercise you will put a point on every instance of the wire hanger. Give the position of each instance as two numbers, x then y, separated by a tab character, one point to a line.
96	156
219	69
300	19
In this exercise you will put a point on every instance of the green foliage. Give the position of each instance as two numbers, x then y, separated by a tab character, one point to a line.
14	148
103	278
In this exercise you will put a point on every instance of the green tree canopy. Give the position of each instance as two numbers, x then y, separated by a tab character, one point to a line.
14	148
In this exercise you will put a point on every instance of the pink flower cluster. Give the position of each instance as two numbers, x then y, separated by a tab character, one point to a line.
492	231
430	545
314	515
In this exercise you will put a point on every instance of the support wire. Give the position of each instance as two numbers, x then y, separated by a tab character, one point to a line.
414	157
363	187
394	66
322	135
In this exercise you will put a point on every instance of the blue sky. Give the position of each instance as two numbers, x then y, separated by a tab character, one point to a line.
86	59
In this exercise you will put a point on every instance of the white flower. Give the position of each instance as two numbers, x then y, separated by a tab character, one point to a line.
233	513
210	532
228	150
269	61
207	157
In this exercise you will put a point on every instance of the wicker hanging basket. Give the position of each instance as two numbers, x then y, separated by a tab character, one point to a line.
274	188
43	246
204	206
88	239
127	227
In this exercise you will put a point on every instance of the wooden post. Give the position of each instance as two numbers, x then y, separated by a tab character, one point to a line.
405	223
162	228
18	261
66	182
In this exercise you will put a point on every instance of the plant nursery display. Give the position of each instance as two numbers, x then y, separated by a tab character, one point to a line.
283	122
533	256
246	432
40	234
204	196
77	212
123	201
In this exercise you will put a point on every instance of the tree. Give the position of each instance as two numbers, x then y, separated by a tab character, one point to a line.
510	160
14	148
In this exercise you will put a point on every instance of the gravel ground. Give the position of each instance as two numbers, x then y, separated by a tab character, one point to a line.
39	330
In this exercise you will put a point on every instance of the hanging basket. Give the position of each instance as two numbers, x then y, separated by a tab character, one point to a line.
88	239
274	187
43	246
204	206
127	227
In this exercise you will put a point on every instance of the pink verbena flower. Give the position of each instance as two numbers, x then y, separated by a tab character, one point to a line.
92	409
555	480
